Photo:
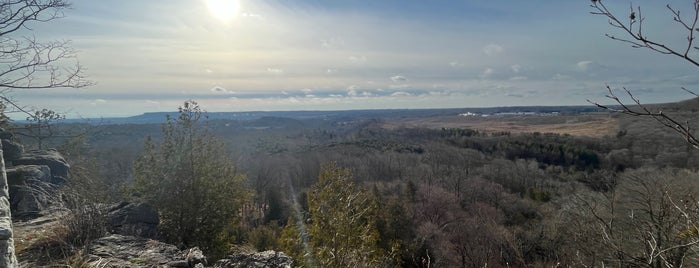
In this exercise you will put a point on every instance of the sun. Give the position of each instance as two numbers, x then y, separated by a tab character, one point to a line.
224	10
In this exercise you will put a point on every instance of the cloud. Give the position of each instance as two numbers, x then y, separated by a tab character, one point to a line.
275	70
493	49
97	102
332	43
357	59
456	64
585	65
400	94
221	90
559	77
351	92
516	68
398	78
514	95
152	102
488	72
331	71
307	90
518	78
400	86
253	16
352	87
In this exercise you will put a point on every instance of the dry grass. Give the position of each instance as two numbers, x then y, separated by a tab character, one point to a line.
580	125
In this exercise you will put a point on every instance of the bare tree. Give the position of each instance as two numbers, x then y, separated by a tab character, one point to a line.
649	220
632	29
26	63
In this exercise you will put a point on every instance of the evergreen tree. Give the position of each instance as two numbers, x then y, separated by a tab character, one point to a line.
190	180
341	225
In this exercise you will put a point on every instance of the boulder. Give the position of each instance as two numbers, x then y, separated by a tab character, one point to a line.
30	190
11	150
51	158
128	251
134	219
266	259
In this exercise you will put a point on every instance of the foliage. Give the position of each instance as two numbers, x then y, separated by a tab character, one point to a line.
342	230
40	125
190	180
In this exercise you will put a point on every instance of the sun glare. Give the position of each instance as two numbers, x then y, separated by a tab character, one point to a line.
224	10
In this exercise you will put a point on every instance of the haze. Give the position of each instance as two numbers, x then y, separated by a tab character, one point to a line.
276	55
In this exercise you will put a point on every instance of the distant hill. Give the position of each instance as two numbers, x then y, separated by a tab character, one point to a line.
159	117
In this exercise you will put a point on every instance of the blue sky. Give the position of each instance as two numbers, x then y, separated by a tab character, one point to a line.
327	55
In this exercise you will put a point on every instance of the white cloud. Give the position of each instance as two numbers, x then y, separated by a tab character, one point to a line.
351	92
584	65
352	87
253	16
307	90
222	90
456	64
561	77
400	94
400	86
516	68
488	72
152	102
331	71
275	70
97	102
398	78
493	49
357	59
518	78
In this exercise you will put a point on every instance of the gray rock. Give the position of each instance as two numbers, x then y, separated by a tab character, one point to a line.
266	259
135	219
11	150
195	256
51	158
7	245
29	188
128	251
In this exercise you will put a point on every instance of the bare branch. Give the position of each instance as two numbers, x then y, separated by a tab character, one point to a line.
638	39
642	110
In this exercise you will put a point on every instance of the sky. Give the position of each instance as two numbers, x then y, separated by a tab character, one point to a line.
271	55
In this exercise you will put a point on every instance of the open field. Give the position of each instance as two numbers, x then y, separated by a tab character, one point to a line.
579	125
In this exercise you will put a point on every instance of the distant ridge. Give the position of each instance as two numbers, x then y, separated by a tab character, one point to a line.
160	117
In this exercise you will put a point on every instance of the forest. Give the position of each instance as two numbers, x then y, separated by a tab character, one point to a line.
361	192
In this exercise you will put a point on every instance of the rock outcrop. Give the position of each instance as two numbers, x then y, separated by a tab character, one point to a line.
7	245
266	259
28	190
133	219
11	150
128	251
51	158
32	177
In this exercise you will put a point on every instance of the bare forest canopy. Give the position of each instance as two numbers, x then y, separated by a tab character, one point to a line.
503	186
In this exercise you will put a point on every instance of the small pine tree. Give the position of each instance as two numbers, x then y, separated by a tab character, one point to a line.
193	184
343	230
